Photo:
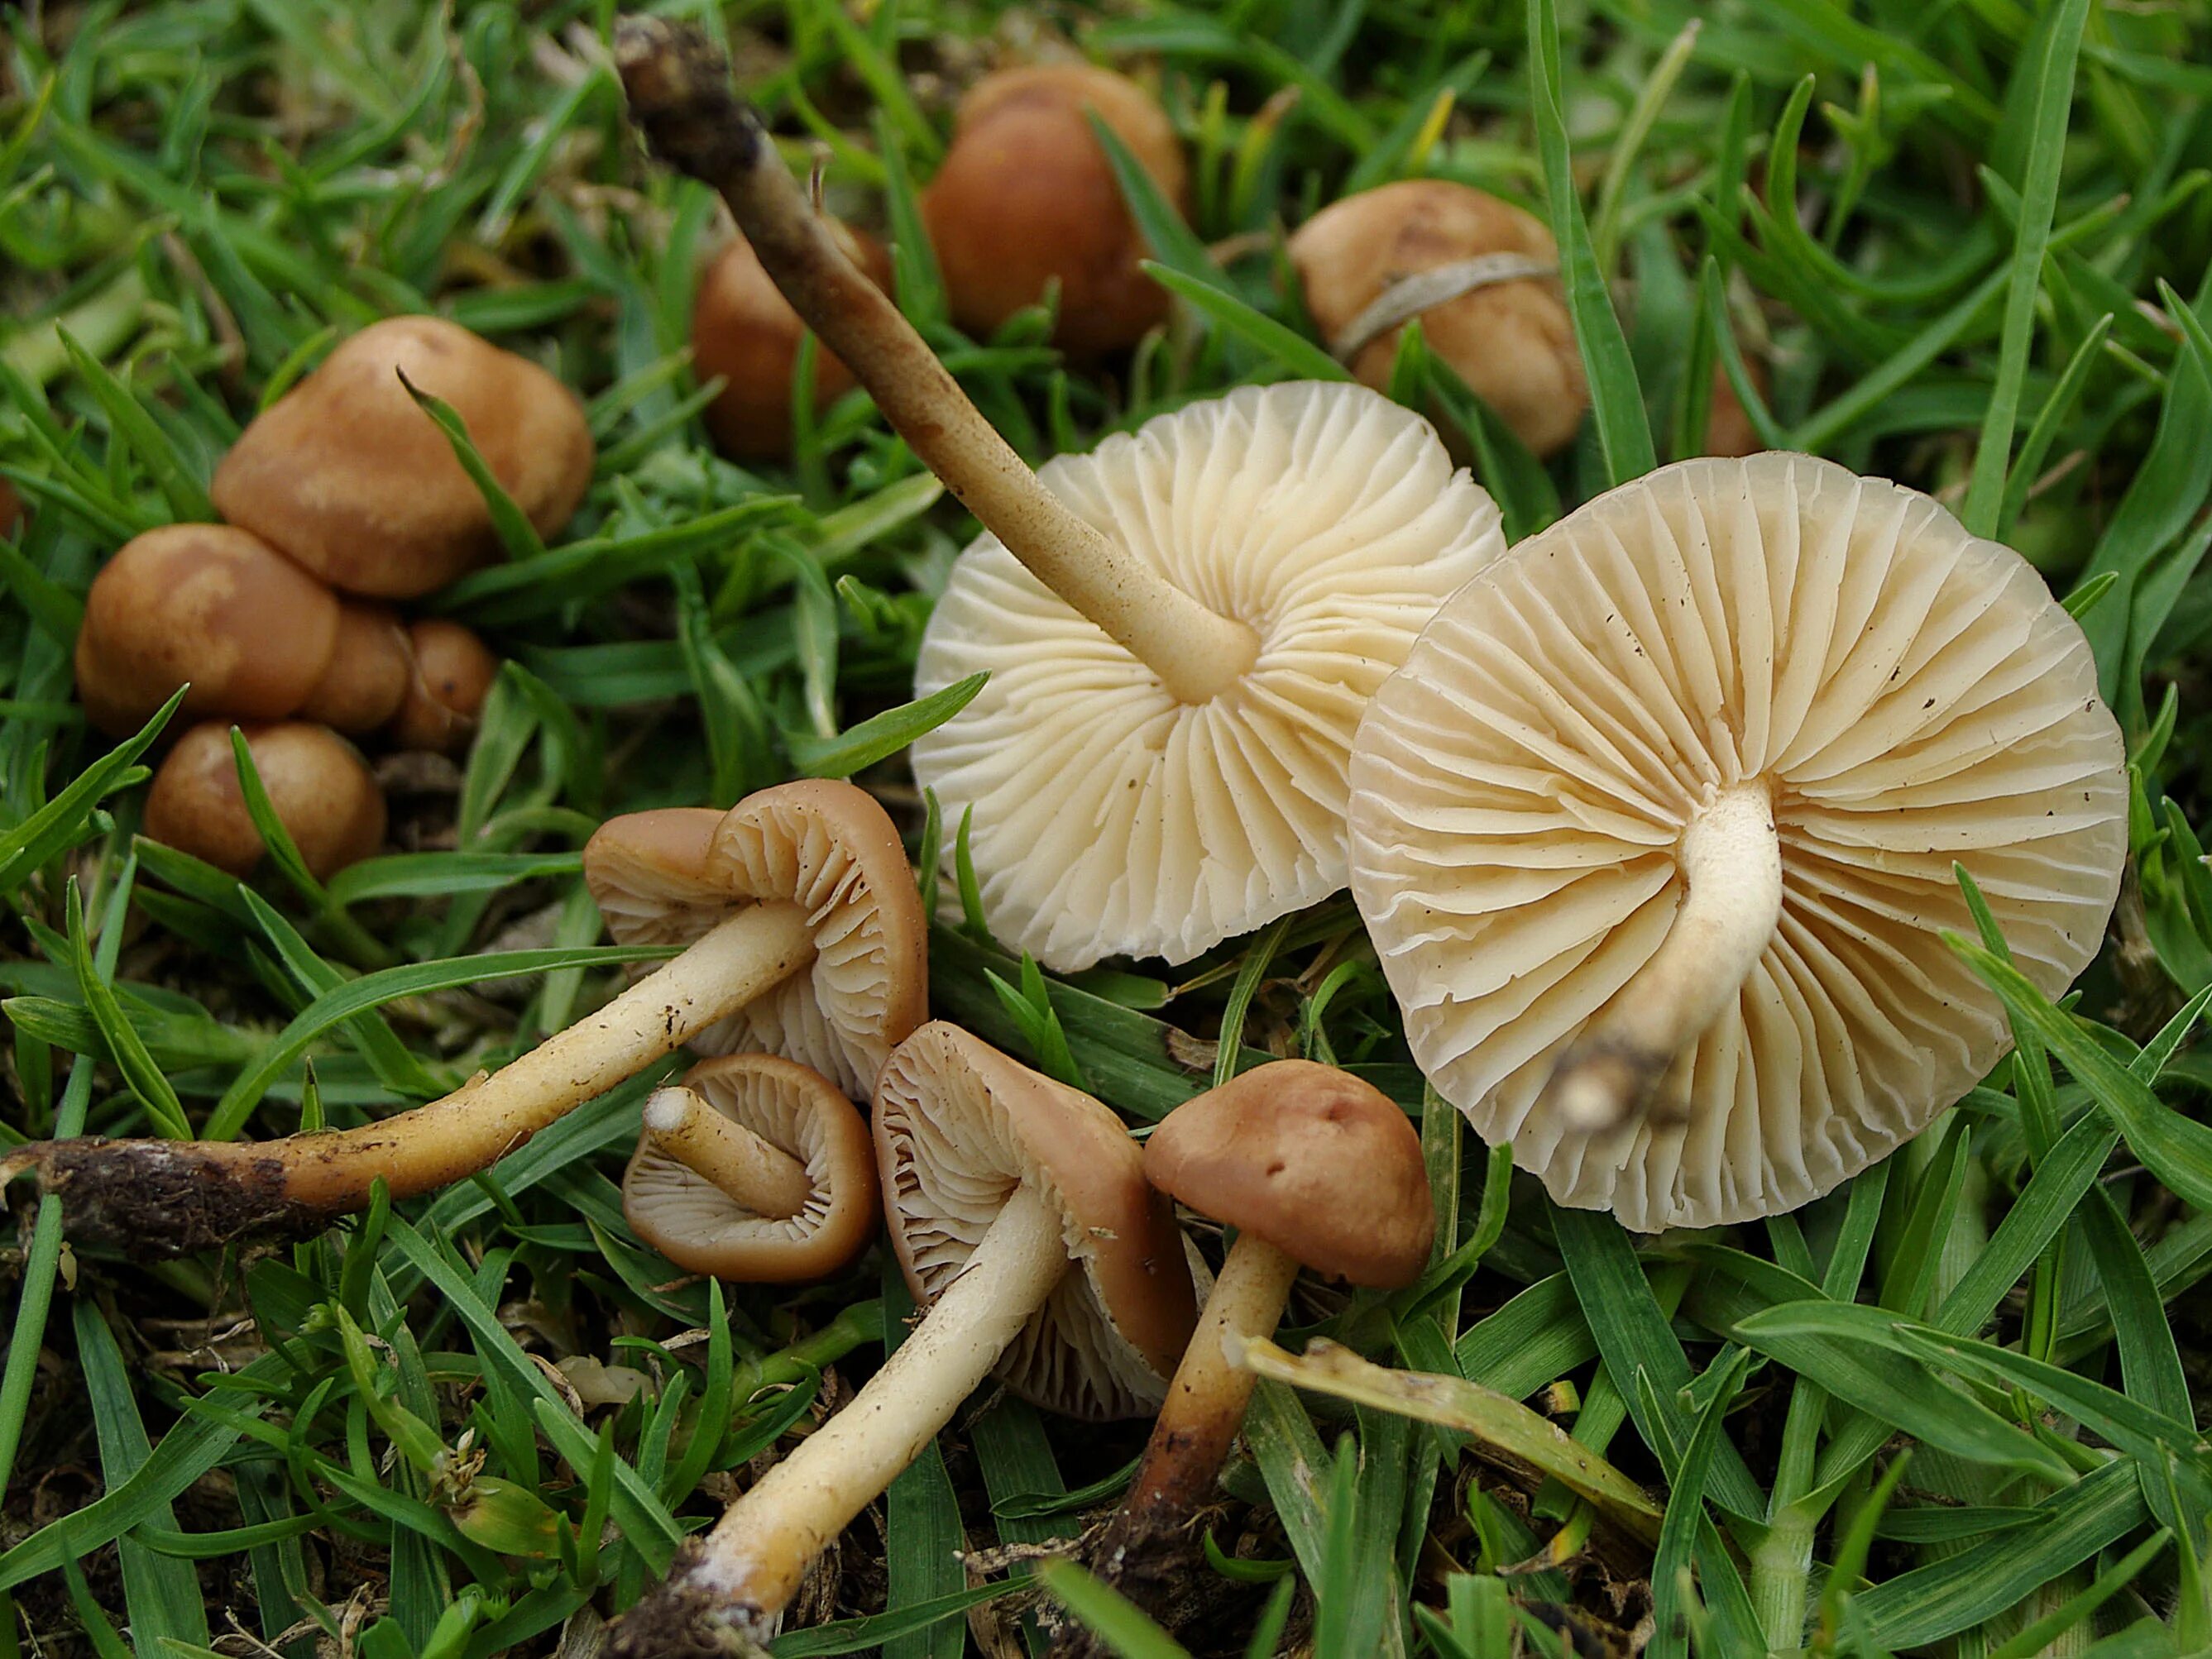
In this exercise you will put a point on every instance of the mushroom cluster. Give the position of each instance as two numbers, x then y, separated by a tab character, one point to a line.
342	495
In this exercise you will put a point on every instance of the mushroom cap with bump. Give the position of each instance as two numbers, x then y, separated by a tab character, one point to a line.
667	876
209	605
797	1111
1908	695
1112	819
349	476
958	1126
1322	1165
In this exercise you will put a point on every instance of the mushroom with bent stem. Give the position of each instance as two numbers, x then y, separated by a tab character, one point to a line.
1656	832
1018	1209
803	933
753	1168
1313	1168
1181	630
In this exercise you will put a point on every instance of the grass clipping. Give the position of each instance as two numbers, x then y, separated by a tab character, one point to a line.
1504	1431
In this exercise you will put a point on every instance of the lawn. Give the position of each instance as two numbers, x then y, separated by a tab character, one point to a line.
1951	1407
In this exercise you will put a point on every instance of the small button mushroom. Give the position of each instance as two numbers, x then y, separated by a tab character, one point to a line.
744	329
251	632
1313	1168
350	478
321	790
803	936
755	1170
1480	274
1026	197
370	669
1654	832
452	675
1018	1209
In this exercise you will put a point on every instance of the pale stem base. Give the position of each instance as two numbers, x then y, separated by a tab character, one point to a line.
726	1155
1731	858
757	1555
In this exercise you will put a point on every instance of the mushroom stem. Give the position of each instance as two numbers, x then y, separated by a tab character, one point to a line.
1731	859
184	1196
750	1566
765	1179
680	94
1205	1401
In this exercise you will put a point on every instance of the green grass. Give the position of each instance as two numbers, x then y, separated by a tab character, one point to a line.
1951	1407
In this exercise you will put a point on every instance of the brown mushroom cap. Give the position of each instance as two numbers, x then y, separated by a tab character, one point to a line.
204	603
368	673
1026	194
744	329
323	792
452	675
666	877
1322	1165
958	1126
350	478
1512	342
704	1230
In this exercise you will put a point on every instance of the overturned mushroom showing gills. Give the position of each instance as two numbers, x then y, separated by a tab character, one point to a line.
1313	1168
345	474
1654	832
804	935
1019	1211
756	1169
1181	630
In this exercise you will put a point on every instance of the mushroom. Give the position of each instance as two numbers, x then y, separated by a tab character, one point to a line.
204	603
1481	276
1019	1212
1181	629
804	935
321	790
1654	832
744	330
371	664
350	478
1313	1168
1026	199
452	675
754	1169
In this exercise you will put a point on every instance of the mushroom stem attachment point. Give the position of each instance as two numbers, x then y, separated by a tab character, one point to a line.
1730	859
680	95
765	1179
1205	1401
750	1565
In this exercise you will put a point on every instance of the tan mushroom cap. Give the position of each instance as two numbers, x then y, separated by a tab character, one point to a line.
205	604
1512	342
1893	693
1322	1165
323	793
797	1111
1026	198
958	1126
347	476
744	330
452	674
666	877
1112	819
367	678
